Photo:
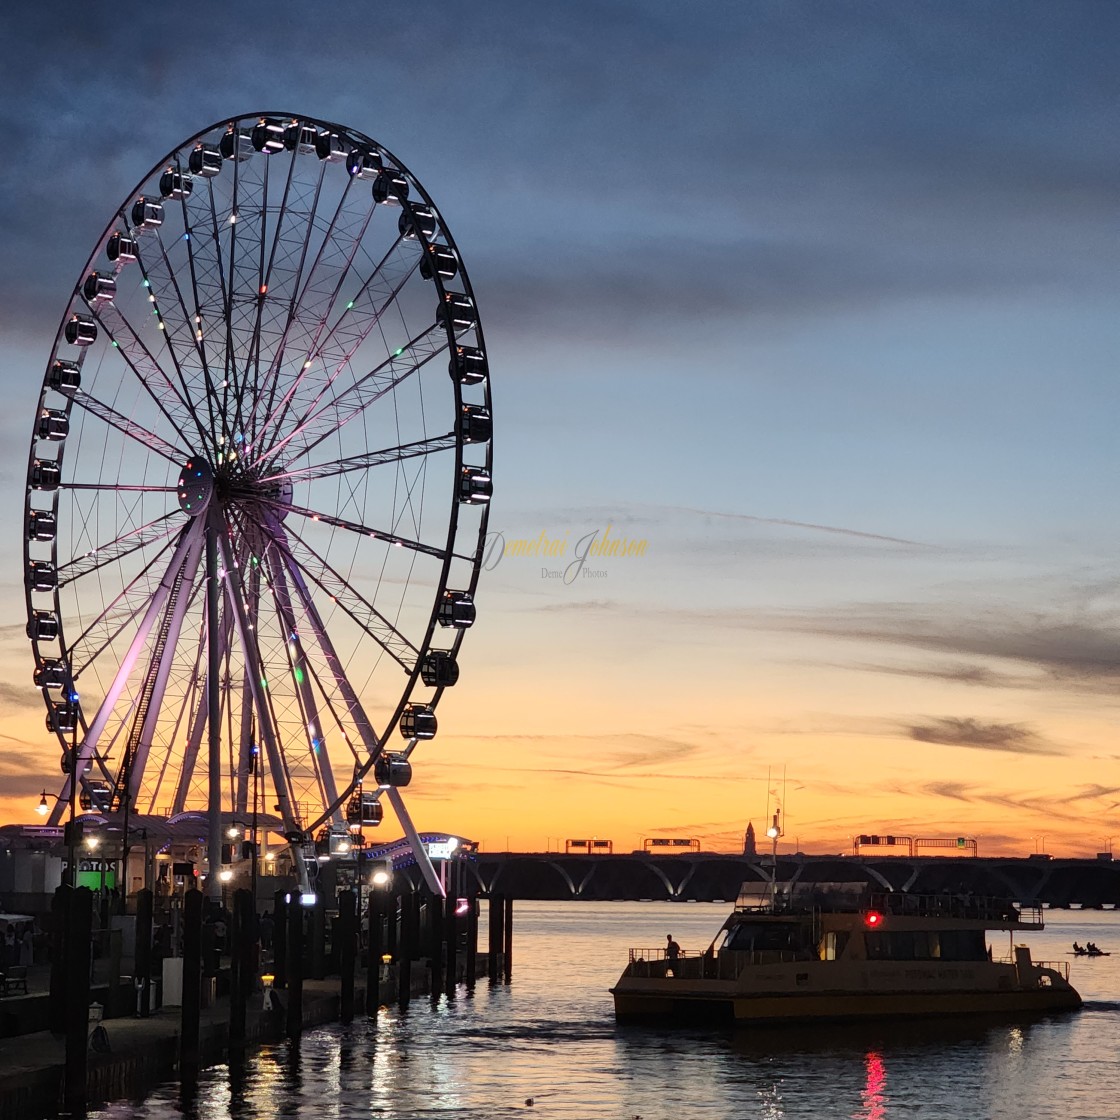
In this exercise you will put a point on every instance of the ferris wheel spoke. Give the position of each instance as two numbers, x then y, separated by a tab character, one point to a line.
255	276
109	623
183	329
149	373
342	593
124	545
310	307
209	289
276	314
130	428
364	530
118	488
332	415
366	460
332	353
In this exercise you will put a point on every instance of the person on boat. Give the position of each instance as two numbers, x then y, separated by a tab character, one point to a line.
1077	948
1091	949
672	955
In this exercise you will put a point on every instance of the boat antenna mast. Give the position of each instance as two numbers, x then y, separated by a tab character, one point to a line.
775	833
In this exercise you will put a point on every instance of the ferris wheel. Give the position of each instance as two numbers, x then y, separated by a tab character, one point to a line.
256	500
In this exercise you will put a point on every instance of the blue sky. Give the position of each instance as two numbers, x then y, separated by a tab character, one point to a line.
750	273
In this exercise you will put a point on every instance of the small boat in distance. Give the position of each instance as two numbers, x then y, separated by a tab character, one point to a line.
1088	950
817	951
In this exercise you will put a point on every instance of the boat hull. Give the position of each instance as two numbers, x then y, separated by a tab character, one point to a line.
657	1001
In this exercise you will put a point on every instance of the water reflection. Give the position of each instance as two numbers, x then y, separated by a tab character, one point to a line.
874	1096
551	1038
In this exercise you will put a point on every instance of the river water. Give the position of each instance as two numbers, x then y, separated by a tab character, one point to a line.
546	1047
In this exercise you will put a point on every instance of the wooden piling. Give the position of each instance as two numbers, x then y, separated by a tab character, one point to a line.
79	930
391	904
406	947
113	992
60	916
472	939
143	962
434	906
345	933
450	941
192	987
495	938
280	940
507	945
317	958
242	974
374	950
295	965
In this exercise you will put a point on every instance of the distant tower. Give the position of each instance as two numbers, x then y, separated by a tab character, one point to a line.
749	847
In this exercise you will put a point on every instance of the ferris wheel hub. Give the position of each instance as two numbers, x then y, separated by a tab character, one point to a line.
196	486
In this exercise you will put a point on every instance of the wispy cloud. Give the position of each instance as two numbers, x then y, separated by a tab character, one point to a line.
1076	653
12	696
965	732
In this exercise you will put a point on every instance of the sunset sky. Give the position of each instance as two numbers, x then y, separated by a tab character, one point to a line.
818	300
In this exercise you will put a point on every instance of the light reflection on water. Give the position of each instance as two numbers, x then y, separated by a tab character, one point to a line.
550	1038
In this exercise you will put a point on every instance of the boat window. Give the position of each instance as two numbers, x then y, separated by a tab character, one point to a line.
756	936
920	945
835	942
963	945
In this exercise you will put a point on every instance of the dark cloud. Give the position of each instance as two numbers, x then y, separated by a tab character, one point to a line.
958	732
977	675
21	770
955	791
1078	654
13	696
615	165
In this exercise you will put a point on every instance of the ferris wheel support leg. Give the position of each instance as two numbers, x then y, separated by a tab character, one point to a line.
353	704
423	861
319	757
235	599
248	761
198	723
213	715
165	654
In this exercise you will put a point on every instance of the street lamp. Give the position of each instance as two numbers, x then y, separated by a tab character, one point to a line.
43	808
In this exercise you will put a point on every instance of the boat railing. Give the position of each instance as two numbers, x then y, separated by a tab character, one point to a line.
948	905
707	965
1060	967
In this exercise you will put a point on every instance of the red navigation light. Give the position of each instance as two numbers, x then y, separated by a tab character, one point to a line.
873	918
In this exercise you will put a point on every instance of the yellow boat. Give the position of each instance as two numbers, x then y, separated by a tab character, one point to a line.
817	951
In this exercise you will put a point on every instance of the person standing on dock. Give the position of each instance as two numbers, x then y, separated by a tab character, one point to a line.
672	955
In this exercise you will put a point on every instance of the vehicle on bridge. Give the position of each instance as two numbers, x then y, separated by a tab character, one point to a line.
817	951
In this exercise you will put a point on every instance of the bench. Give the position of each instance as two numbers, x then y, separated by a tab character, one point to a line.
15	977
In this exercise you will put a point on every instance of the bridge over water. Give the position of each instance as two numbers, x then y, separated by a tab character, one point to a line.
711	877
